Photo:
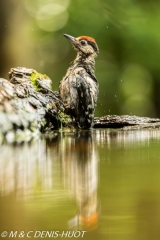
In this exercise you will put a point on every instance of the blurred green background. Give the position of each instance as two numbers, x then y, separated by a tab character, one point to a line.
126	31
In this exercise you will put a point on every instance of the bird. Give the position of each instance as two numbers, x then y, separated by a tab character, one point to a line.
79	88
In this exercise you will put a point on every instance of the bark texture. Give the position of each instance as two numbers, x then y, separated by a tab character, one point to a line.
126	122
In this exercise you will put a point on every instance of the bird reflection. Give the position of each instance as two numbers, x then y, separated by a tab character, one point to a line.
80	168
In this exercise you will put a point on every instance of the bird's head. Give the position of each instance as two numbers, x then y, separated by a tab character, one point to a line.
84	45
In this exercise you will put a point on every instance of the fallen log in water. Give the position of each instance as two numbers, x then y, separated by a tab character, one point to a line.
28	106
126	122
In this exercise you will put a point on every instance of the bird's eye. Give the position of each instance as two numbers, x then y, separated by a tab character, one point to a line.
83	42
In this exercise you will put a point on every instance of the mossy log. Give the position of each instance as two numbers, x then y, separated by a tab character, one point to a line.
28	106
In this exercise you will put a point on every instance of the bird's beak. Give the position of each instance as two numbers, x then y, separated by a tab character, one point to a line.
74	42
72	39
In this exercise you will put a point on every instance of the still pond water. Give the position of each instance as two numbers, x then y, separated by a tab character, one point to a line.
104	182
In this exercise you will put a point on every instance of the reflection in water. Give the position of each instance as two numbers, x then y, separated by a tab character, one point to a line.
21	167
80	168
45	183
126	137
29	169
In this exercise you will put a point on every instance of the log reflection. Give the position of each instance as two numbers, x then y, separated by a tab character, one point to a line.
120	138
22	167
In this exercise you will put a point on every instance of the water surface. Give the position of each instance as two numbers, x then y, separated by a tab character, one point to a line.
106	182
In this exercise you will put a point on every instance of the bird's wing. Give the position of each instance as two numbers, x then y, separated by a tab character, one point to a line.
68	91
89	88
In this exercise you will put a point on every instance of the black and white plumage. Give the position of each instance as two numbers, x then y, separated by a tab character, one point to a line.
79	88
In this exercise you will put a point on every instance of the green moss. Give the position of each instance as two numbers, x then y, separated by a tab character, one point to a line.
63	118
37	76
48	106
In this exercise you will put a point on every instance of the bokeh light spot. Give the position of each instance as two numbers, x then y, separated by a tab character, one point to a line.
52	17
